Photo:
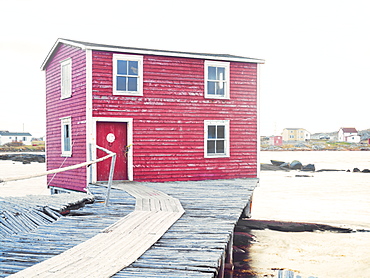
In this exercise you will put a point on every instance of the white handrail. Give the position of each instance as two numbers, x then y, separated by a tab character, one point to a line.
111	172
54	171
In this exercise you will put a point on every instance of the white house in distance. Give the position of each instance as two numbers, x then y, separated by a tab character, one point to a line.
9	137
348	134
295	134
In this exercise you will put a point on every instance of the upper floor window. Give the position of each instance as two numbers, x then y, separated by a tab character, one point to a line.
127	75
216	139
217	79
66	78
66	136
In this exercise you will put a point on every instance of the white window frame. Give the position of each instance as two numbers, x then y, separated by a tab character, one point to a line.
125	57
226	124
66	78
218	64
66	121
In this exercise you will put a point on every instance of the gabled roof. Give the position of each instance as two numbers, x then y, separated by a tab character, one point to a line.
349	130
7	133
295	128
135	50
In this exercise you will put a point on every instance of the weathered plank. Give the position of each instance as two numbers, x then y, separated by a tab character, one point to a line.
192	247
24	214
196	243
99	256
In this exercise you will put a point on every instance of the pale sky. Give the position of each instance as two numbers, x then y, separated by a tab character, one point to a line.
317	53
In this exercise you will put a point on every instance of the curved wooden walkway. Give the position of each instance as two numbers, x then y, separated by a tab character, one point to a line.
119	245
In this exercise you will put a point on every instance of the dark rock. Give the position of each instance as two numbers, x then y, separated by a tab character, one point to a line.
270	167
330	170
25	158
251	224
356	170
289	226
366	171
277	162
308	167
242	238
295	165
6	156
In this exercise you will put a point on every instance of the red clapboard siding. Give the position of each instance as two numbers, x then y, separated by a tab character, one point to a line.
74	107
169	118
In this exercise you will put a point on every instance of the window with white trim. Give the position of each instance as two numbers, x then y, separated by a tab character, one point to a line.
66	78
66	136
217	79
216	139
127	75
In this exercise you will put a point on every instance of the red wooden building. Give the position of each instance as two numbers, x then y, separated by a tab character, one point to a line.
169	116
276	140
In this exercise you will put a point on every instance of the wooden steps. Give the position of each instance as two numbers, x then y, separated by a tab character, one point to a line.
119	245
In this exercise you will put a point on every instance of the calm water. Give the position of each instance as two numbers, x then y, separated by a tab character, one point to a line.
330	197
35	186
336	198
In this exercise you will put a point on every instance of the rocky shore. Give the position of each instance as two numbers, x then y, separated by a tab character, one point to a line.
297	165
25	158
316	145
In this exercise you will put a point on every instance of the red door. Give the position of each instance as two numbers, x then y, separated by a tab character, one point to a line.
112	136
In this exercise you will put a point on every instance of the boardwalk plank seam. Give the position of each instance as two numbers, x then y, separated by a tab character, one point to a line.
100	256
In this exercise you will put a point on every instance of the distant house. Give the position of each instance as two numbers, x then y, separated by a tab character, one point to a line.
348	134
169	116
276	140
295	134
19	137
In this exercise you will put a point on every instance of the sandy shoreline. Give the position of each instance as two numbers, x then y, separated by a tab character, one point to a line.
34	186
334	198
339	199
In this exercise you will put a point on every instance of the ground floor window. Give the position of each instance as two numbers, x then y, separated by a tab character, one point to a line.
216	139
66	136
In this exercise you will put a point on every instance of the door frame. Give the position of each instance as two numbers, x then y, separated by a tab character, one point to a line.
129	121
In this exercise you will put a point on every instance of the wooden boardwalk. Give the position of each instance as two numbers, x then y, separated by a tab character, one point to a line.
25	214
194	246
119	245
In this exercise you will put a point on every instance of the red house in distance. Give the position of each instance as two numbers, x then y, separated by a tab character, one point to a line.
169	116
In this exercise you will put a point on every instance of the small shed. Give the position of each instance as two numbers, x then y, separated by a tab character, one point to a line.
276	140
169	115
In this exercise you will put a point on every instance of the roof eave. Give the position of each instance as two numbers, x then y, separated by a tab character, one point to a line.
54	48
147	52
174	54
